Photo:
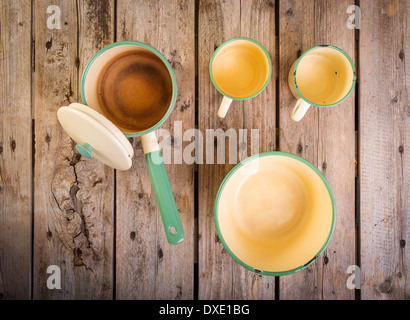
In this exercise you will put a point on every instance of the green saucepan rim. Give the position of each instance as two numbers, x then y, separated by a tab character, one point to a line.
156	52
239	165
220	47
314	48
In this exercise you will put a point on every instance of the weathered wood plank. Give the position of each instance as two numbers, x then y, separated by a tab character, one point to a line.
96	30
147	266
384	133
220	277
73	205
15	150
296	35
218	22
336	156
325	137
258	22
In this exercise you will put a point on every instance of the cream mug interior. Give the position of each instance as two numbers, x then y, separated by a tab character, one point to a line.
240	69
323	76
276	219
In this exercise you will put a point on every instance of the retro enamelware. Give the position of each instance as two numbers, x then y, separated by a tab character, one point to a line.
275	213
323	76
240	69
97	137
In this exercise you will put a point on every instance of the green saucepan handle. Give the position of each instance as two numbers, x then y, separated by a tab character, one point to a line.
162	188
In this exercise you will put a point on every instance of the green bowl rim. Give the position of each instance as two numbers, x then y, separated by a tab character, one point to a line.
353	82
157	53
220	47
332	228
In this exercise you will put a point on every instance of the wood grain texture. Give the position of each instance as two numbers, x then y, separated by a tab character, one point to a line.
148	267
220	277
325	137
384	132
15	150
296	35
336	156
73	204
103	228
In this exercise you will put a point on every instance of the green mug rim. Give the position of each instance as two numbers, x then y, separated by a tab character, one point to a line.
158	54
218	230
225	43
331	47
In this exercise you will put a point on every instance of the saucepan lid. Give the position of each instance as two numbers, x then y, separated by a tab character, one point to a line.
96	136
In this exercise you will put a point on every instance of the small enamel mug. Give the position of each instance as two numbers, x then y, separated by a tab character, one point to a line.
240	69
323	76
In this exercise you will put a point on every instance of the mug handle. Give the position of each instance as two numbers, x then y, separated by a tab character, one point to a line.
162	188
223	108
299	110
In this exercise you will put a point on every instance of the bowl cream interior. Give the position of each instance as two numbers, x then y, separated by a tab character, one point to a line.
275	213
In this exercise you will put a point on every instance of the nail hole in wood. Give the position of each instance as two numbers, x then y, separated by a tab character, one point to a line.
300	148
160	254
401	54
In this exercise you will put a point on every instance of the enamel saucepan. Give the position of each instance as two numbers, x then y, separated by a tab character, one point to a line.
99	135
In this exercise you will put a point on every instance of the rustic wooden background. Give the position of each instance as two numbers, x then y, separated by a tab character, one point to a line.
102	227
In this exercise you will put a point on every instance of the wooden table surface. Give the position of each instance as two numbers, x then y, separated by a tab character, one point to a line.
102	228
